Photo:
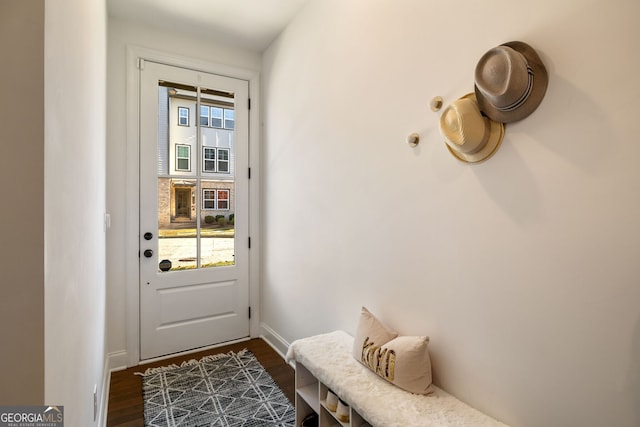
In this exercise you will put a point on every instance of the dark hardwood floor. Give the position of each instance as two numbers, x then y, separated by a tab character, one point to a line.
125	393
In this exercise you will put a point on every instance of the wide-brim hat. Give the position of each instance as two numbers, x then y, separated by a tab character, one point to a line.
470	136
510	82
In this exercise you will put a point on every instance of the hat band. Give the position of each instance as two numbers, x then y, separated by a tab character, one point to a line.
524	96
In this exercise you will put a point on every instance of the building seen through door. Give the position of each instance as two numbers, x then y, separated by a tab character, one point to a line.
180	121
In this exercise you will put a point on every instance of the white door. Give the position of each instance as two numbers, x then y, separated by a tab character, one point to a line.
194	255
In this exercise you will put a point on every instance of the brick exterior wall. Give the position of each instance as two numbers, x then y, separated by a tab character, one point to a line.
167	205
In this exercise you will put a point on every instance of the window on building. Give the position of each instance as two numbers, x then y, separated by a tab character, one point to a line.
183	116
216	199
223	160
209	159
208	199
223	199
216	117
204	115
229	120
215	160
183	158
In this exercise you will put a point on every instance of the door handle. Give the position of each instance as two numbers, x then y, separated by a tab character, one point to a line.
148	253
148	236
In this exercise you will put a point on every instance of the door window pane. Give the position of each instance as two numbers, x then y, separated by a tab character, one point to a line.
177	238
218	228
195	205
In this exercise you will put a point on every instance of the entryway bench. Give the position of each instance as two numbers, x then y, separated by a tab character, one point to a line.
327	359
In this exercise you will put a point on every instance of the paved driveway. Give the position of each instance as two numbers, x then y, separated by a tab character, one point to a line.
182	252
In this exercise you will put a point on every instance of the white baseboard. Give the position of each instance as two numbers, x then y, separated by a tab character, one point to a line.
104	394
117	361
279	344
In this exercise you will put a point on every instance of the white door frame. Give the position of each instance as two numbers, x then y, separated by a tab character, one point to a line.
132	195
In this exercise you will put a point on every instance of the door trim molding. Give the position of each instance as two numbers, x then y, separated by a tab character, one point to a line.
132	195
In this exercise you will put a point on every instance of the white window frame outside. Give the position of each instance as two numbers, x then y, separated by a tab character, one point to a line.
220	119
231	119
180	116
206	199
216	199
217	161
204	116
178	158
224	120
227	199
226	161
205	160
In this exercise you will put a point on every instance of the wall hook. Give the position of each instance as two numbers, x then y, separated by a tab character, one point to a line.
413	139
436	103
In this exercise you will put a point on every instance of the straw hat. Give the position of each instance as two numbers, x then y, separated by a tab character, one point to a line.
470	136
510	82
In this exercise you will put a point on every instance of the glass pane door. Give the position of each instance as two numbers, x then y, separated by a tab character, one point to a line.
196	177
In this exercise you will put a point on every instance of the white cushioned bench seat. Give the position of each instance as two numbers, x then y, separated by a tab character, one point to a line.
329	358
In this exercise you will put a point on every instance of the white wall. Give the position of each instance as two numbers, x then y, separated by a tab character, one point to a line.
120	35
524	269
74	205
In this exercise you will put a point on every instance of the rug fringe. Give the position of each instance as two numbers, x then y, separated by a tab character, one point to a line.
212	357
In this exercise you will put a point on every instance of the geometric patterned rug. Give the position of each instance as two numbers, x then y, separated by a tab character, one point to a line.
223	390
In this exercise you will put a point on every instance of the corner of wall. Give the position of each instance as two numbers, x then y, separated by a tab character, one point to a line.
279	344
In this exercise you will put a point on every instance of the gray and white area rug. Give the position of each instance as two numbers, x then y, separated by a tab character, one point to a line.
229	390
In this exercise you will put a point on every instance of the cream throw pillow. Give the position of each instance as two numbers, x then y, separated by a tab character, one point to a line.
405	362
401	360
370	332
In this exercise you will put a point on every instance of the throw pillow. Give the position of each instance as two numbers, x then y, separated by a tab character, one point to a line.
405	362
370	333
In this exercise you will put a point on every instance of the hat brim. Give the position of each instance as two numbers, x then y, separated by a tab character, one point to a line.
540	83
496	134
